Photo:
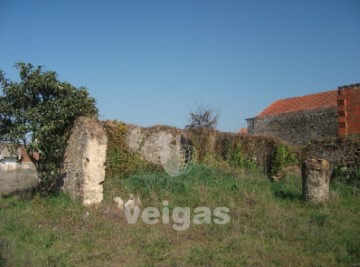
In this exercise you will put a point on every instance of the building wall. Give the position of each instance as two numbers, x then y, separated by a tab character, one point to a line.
299	127
349	109
340	152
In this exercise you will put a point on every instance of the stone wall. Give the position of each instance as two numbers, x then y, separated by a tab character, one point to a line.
16	177
84	164
298	127
258	149
149	142
339	152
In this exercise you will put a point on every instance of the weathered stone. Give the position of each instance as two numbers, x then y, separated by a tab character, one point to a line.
315	180
339	152
84	163
134	138
17	177
286	172
154	144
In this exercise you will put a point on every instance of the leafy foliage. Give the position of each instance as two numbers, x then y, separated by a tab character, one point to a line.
38	112
238	159
282	157
120	161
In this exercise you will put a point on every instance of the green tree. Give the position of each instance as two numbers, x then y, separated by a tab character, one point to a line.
38	112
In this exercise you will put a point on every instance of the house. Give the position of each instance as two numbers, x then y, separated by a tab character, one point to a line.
298	120
11	154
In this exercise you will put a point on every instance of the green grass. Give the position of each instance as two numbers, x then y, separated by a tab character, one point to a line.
270	225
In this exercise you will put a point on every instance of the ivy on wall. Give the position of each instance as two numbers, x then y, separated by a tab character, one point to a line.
120	162
282	157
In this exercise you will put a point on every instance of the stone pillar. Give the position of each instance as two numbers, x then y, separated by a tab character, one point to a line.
84	163
315	180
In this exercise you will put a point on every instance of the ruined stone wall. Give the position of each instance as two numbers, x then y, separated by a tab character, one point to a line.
339	152
84	164
299	127
150	142
258	149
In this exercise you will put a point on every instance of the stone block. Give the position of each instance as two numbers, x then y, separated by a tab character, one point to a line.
84	163
315	180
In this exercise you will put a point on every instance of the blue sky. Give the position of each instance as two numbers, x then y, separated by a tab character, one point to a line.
151	62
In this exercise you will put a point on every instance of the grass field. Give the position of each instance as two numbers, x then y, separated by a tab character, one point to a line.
270	225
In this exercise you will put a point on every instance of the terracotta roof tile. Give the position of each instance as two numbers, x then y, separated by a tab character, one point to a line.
243	131
307	102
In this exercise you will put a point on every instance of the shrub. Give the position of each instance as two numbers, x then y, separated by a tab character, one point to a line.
120	161
347	176
282	157
238	160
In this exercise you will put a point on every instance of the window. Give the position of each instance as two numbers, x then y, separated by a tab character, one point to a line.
342	125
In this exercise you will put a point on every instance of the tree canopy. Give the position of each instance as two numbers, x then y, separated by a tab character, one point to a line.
38	112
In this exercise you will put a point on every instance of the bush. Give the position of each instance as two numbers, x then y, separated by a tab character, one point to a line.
120	161
281	158
347	176
239	160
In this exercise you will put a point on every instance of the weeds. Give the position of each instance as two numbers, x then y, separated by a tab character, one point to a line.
270	225
282	157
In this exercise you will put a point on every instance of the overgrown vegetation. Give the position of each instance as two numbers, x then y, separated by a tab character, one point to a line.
238	159
202	130
270	225
121	162
282	157
347	176
38	112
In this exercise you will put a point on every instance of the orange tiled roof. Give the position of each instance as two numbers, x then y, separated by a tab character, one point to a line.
306	102
243	131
